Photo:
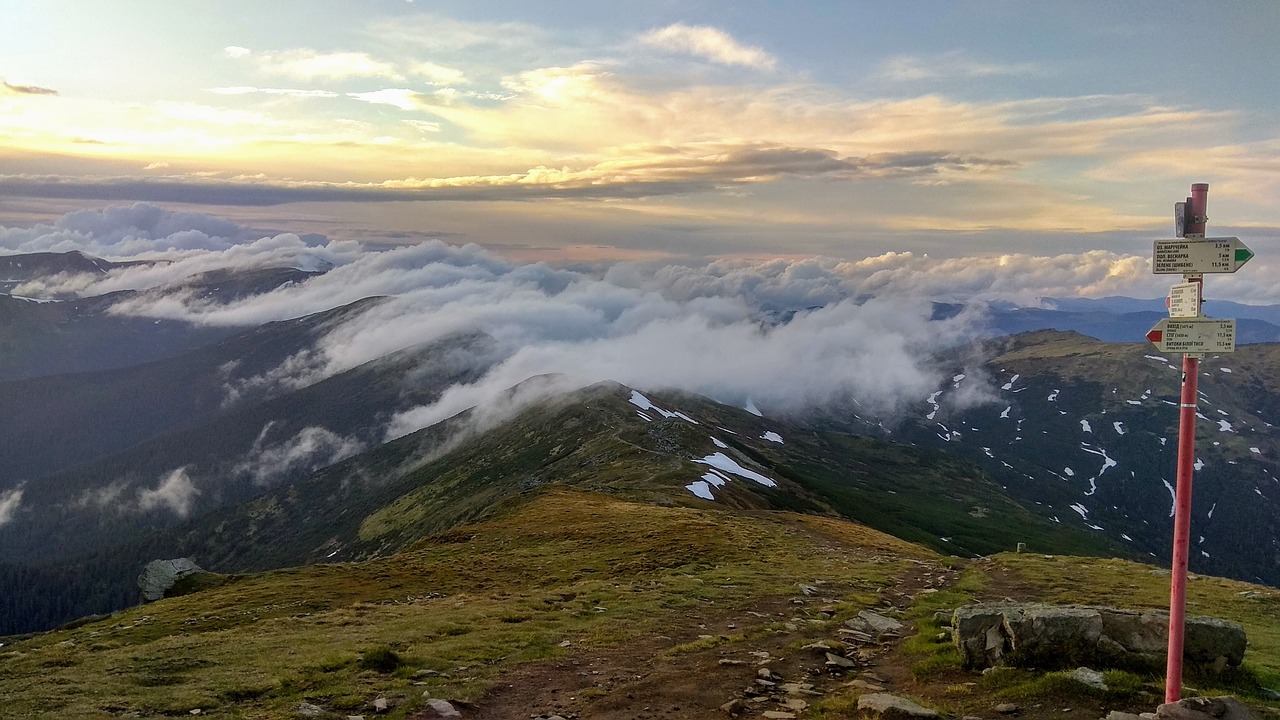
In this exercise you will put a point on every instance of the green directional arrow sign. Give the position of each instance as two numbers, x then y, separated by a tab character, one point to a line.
1186	256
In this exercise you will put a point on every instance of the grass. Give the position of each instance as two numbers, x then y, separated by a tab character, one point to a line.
467	605
933	652
1065	580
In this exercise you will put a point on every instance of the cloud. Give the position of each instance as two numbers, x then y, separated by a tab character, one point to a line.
661	172
308	64
287	92
10	89
175	492
708	43
311	449
235	51
402	98
438	74
10	501
955	65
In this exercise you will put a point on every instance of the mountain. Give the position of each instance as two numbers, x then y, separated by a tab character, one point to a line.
233	453
1085	433
39	338
657	448
27	267
1116	319
597	607
56	422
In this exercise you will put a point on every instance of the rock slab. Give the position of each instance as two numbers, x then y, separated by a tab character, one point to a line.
1052	636
892	707
160	575
1214	708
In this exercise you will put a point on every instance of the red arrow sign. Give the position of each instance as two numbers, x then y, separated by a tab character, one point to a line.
1156	335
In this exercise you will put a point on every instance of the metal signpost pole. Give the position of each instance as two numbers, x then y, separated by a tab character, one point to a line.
1195	227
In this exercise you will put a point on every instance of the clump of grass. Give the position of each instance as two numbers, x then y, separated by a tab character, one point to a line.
704	643
380	659
932	643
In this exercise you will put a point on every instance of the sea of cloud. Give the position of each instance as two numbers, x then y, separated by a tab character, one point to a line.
788	335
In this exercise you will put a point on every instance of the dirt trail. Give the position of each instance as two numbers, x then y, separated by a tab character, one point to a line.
642	680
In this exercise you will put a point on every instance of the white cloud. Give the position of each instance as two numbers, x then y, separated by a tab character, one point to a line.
311	449
308	64
708	43
288	92
10	500
438	74
948	66
235	51
396	97
174	491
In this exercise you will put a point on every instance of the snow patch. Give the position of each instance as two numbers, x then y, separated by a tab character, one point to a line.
729	465
1225	370
719	443
772	436
1005	415
1069	472
1085	426
1173	495
1084	512
701	489
1255	451
751	408
1009	385
1119	426
1224	426
1199	464
1053	395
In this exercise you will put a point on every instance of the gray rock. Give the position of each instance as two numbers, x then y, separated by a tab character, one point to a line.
1036	635
1092	678
160	575
873	624
892	707
734	707
307	709
1007	708
838	661
1118	715
1214	708
443	708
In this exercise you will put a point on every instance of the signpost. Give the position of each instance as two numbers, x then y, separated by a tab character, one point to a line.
1194	335
1187	332
1203	255
1184	302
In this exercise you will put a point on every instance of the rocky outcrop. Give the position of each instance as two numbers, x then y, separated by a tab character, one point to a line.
892	707
1052	636
160	575
1213	708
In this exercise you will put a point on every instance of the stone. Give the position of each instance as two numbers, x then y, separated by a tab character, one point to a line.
892	707
1092	678
1007	708
873	624
309	710
864	685
380	704
838	661
778	715
728	661
734	707
1118	715
765	673
1201	708
443	708
160	575
1050	636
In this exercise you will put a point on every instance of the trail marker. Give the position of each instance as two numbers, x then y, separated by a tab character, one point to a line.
1184	300
1199	255
1194	335
1185	331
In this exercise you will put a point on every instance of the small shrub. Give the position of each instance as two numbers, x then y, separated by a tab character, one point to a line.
380	659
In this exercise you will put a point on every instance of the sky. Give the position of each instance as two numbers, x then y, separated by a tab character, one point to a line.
573	131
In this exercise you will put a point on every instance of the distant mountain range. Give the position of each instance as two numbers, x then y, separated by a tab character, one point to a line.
129	439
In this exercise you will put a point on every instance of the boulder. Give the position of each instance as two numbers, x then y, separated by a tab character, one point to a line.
160	575
1214	708
1049	636
892	707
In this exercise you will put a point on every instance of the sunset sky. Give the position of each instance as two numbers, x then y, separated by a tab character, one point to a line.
590	130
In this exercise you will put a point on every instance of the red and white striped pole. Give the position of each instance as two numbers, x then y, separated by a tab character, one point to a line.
1194	226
